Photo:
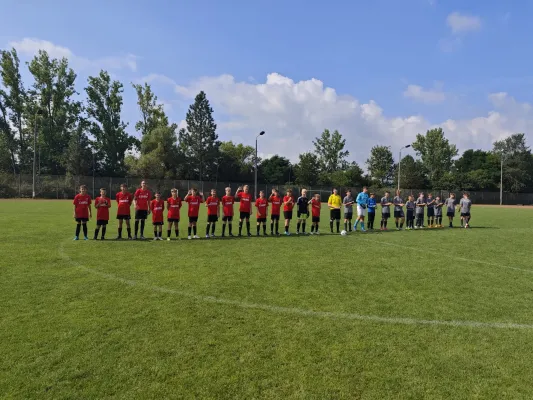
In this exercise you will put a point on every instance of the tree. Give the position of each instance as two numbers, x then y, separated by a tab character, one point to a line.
381	164
436	153
412	174
52	94
476	170
275	169
78	156
330	150
307	169
199	141
152	114
111	141
235	162
517	161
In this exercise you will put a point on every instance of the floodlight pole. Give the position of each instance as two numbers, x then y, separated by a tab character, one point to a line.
400	164
255	162
35	151
501	179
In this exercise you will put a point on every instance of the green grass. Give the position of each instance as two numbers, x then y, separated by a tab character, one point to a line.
278	318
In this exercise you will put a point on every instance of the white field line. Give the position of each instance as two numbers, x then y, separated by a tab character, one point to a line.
295	311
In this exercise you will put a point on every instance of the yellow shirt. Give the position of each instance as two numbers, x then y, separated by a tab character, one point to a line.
334	201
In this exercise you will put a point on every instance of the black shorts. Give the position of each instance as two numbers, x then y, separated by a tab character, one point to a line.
335	215
158	223
316	219
125	217
399	214
228	218
287	214
101	222
348	215
262	220
245	215
193	219
274	217
82	220
212	218
385	215
410	214
431	212
141	214
302	215
176	220
420	215
450	214
465	214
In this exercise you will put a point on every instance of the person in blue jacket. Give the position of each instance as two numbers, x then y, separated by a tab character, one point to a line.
362	205
372	204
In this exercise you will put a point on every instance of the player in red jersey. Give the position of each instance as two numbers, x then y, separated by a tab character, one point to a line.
102	205
141	202
82	211
227	204
262	211
288	205
315	212
124	200
275	200
193	200
245	207
213	213
173	216
157	207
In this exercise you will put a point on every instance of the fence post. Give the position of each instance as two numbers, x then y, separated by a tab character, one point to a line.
110	185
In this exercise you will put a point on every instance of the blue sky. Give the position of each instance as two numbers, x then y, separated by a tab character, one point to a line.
396	67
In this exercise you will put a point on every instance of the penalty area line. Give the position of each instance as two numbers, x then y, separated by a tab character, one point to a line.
293	310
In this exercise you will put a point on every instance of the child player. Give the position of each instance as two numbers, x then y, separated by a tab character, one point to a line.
262	211
399	216
465	204
275	200
438	212
82	211
193	200
245	207
410	206
213	213
450	208
124	200
173	215
348	202
315	211
430	202
371	211
302	211
157	206
385	210
362	204
420	204
227	207
334	204
288	205
141	200
102	205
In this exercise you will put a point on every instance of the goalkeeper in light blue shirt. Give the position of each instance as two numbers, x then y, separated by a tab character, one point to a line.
362	204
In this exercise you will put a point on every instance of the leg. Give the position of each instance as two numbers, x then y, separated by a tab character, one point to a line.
240	227
338	225
84	225
136	227
223	228
96	231
104	229
119	229
142	227
258	228
207	226
298	224
248	226
78	229
128	228
194	229
303	226
169	229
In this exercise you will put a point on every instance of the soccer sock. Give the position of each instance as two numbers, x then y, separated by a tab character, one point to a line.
194	230
271	227
240	228
207	229
331	225
298	227
286	228
161	233
169	232
223	229
385	223
155	233
346	226
84	230
213	228
277	226
338	226
264	229
401	225
177	232
356	223
230	228
303	227
136	227
119	232
362	226
312	228
429	221
258	229
129	232
396	223
189	229
142	227
78	228
104	229
382	223
96	234
248	227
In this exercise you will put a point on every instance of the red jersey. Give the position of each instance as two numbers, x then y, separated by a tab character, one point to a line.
276	204
227	204
124	201
315	208
212	205
262	207
142	198
246	202
194	205
173	205
82	202
157	207
288	207
103	204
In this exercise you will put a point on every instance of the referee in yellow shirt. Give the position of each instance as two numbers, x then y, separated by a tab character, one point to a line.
334	204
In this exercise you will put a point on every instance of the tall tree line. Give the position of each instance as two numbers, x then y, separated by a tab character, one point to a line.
77	134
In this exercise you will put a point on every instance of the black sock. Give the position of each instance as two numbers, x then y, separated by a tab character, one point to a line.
298	227
312	228
240	228
264	229
213	225
189	229
286	228
338	226
119	232
303	227
84	229
401	225
396	224
331	225
346	226
194	231
155	233
386	222
258	229
169	231
382	223
129	232
223	229
136	227
277	226
272	227
104	229
349	225
78	229
230	228
207	229
142	227
248	227
96	233
177	232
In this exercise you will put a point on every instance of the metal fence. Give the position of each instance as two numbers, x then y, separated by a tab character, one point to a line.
66	187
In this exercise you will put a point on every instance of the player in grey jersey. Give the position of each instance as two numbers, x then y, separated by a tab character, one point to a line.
450	208
465	204
385	210
437	208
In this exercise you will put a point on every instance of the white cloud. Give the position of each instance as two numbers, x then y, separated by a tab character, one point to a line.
30	47
428	96
294	113
459	23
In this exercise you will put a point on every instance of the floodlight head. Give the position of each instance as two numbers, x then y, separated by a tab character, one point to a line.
261	133
407	146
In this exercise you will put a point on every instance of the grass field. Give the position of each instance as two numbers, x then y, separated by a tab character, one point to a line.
436	314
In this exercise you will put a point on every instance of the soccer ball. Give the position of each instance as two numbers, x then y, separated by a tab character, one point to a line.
344	233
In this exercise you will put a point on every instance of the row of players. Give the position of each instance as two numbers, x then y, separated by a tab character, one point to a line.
144	206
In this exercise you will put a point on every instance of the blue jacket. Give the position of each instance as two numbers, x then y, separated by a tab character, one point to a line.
371	205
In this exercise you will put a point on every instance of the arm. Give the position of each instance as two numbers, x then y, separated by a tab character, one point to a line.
90	211
74	212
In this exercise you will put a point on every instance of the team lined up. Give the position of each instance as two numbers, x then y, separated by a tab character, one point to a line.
144	205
